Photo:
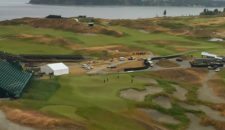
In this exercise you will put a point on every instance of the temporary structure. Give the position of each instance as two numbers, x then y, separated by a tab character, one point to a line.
216	40
209	55
12	80
56	69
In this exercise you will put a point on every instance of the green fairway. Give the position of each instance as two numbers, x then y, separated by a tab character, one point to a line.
99	104
75	98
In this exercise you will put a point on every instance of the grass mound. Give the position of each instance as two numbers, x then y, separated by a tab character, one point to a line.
63	24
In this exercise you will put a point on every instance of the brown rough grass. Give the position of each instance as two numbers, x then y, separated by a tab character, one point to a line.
38	120
109	47
191	75
166	63
144	119
50	40
218	86
219	107
131	64
114	50
211	21
63	24
219	125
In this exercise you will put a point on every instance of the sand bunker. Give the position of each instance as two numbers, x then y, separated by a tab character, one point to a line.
215	115
163	102
180	93
160	117
195	123
139	95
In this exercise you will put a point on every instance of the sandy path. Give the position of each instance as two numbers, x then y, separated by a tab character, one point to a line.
205	93
180	93
213	114
195	123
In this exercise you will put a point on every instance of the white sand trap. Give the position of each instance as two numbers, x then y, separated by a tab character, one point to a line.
8	125
160	117
133	94
195	123
163	102
180	93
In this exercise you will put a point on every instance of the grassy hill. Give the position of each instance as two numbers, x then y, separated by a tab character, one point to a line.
86	99
162	36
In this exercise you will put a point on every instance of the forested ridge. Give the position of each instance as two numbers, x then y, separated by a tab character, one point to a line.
133	2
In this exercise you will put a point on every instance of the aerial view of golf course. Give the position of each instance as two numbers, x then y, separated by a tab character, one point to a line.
88	73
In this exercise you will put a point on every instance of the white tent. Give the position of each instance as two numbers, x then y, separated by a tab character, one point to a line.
206	54
216	40
56	68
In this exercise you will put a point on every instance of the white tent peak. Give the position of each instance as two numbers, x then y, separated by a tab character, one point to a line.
57	66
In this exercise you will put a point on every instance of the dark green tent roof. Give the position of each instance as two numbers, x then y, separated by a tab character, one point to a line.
13	80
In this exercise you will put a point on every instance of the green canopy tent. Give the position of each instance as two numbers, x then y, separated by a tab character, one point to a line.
12	80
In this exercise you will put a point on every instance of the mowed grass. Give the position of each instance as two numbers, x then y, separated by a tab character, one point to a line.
27	47
85	99
133	39
9	42
89	100
97	104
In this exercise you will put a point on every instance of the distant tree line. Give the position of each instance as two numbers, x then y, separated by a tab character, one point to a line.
134	2
212	12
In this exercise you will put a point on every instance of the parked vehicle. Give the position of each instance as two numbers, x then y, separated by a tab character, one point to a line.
179	59
122	58
131	58
112	66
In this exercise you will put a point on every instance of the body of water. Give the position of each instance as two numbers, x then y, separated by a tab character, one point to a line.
11	9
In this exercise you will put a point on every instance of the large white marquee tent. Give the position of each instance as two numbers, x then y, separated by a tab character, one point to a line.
57	69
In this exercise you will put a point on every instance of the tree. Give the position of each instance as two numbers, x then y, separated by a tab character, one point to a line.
205	11
216	11
165	12
224	10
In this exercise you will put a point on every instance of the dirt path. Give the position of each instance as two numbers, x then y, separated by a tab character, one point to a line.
195	123
205	93
8	125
